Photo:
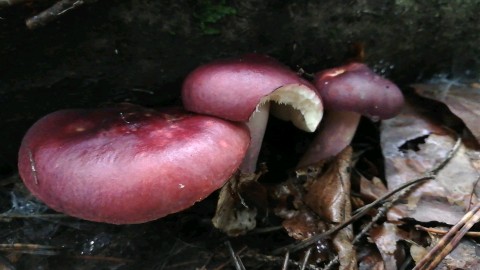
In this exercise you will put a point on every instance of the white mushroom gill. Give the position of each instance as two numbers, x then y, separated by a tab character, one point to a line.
296	103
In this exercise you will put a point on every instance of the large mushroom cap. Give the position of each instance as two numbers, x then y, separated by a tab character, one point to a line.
128	164
233	88
355	87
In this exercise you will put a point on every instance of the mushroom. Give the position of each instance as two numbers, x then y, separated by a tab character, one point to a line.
128	164
246	89
348	92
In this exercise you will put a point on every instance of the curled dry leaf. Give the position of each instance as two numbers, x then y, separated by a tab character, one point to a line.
329	194
299	221
319	205
233	215
329	197
463	99
412	144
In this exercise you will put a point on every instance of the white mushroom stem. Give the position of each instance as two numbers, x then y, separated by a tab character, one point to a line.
334	134
257	125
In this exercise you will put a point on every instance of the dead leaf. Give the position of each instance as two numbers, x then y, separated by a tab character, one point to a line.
418	252
370	190
369	259
462	99
444	199
329	196
301	226
386	237
233	216
299	220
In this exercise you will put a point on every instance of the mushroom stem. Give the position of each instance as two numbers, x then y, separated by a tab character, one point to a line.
334	134
257	125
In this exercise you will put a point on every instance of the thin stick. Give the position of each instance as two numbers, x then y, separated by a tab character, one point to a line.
297	246
449	240
6	3
305	259
380	213
27	248
277	260
9	216
53	12
237	262
285	262
364	210
443	232
456	240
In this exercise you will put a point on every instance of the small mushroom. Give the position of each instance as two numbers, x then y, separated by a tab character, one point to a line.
246	89
347	93
128	164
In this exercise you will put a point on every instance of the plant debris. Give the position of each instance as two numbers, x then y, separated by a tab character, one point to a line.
455	189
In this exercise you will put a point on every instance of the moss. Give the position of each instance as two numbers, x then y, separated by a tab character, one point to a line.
210	13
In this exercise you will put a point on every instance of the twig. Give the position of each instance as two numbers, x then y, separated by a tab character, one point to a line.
277	260
285	261
364	210
6	3
305	258
450	240
443	232
237	262
102	258
30	249
53	12
8	216
305	243
380	213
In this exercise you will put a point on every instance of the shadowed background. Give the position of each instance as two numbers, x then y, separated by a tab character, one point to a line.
140	50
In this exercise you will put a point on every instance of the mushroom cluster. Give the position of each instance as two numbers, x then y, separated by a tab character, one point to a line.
246	89
130	164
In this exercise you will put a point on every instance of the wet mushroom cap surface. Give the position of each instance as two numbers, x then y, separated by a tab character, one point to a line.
355	87
234	88
128	164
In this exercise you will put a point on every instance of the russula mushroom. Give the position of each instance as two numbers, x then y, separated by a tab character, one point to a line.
246	89
347	93
128	164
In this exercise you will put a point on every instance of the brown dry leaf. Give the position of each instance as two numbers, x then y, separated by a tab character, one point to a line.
301	226
233	216
369	259
462	99
418	252
288	199
371	190
445	199
329	196
299	221
386	237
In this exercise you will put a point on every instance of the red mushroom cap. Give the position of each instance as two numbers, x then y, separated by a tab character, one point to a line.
233	88
355	87
128	164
